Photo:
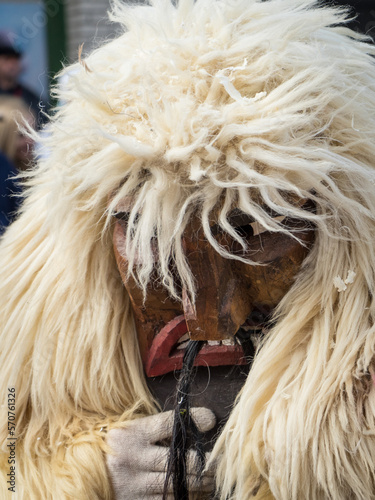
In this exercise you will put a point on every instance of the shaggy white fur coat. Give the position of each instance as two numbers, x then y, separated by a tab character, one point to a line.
242	102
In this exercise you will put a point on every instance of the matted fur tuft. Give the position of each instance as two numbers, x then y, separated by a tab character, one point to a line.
198	108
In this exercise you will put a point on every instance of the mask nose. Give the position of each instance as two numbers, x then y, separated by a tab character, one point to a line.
222	301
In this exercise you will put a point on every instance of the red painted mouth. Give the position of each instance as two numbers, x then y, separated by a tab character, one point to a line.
164	357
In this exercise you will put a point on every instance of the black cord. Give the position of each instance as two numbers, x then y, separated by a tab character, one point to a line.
185	434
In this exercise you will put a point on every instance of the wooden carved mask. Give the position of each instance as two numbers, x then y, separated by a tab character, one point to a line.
231	296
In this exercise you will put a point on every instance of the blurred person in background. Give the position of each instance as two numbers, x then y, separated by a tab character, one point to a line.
14	143
8	191
10	70
16	153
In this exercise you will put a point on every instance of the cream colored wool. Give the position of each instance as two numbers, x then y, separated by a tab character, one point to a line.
240	102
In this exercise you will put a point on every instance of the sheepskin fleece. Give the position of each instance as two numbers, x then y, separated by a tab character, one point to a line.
207	104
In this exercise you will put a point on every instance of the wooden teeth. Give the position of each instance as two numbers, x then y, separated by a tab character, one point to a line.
184	340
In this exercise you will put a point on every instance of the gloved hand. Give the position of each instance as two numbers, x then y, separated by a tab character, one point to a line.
137	466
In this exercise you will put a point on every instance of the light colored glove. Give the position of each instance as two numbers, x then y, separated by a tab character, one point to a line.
137	466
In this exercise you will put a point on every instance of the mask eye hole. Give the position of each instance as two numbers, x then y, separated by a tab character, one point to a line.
245	225
122	216
246	230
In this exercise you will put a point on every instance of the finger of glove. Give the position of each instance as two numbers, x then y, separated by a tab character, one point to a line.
157	461
158	427
132	453
196	482
154	428
204	418
155	483
145	430
192	462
